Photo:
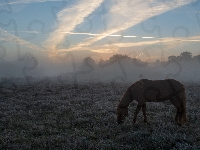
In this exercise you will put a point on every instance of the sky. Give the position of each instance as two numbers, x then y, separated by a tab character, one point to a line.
143	29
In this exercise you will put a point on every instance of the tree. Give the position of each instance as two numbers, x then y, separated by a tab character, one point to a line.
119	57
89	60
186	56
139	63
101	62
88	63
196	58
157	62
170	58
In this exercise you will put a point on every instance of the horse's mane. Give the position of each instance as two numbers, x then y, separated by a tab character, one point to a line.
139	84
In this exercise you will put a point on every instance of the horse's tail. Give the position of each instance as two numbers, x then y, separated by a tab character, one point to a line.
183	106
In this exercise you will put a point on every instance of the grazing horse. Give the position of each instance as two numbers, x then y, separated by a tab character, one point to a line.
146	90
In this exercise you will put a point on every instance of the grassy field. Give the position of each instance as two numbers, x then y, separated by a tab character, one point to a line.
63	116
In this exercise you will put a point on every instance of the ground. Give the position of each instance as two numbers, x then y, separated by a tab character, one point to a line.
55	115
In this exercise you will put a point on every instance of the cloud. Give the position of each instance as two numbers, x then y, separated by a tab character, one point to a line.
36	32
5	36
30	1
126	14
68	19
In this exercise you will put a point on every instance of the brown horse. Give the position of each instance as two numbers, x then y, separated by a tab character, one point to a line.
153	91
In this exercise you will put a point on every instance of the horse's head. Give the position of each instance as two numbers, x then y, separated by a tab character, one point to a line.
122	112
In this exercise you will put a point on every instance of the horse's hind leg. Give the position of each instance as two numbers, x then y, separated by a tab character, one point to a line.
176	103
176	117
144	112
136	113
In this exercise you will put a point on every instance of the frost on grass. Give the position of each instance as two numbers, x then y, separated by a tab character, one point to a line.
57	115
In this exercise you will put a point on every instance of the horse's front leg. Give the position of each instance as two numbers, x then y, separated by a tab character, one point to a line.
144	112
136	113
179	117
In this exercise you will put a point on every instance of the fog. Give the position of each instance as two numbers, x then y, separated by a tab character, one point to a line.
92	68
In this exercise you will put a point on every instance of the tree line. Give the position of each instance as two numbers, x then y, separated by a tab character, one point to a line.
183	57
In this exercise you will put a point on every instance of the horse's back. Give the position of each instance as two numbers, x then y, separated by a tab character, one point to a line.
160	90
163	83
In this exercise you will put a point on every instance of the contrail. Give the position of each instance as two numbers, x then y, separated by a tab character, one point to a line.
30	1
123	17
68	19
167	42
90	34
5	36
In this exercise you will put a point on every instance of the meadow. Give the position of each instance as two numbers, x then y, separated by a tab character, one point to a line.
56	115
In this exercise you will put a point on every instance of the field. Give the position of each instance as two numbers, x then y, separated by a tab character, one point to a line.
53	115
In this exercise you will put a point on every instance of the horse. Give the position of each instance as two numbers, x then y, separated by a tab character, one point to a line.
146	90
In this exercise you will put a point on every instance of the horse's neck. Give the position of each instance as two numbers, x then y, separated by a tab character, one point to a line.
126	99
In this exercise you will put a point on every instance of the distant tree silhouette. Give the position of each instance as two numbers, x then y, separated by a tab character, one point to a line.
157	63
170	58
183	57
101	62
89	60
139	63
186	56
119	57
88	63
196	58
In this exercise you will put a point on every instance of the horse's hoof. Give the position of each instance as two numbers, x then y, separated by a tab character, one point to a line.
146	122
179	123
121	122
